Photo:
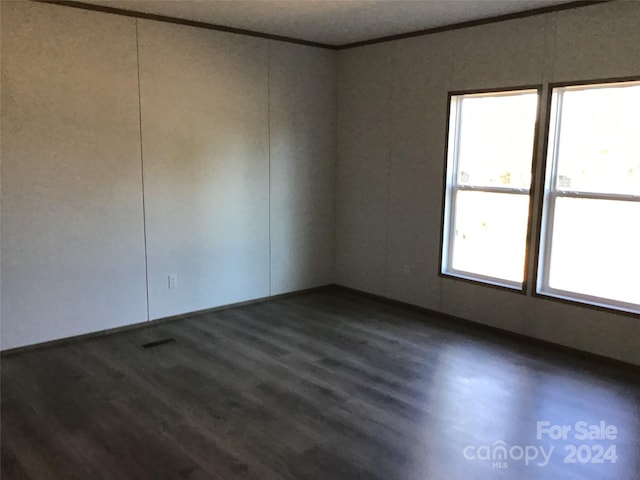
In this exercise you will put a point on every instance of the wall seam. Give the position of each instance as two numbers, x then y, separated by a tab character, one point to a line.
441	281
546	76
553	20
336	103
389	109
269	151
144	210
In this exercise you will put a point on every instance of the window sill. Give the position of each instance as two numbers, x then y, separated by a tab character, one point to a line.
485	281
622	309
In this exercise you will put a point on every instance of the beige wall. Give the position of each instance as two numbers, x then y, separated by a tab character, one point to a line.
302	83
391	141
221	210
242	193
205	143
72	232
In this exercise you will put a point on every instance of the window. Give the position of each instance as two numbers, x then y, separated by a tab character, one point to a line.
488	181
590	240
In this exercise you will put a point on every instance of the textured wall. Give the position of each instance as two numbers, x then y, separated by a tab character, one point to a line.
205	143
302	84
362	191
237	137
391	142
232	220
72	237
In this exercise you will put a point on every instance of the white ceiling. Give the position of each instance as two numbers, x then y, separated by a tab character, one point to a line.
334	22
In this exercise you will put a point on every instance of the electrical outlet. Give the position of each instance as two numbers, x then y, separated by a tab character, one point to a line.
173	280
406	269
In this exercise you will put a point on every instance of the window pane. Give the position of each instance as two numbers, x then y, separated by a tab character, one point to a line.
490	234
596	248
496	140
599	145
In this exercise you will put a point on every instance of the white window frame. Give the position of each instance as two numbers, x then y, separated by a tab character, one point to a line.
552	193
452	188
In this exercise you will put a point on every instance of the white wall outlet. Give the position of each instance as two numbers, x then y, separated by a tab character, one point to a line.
406	269
173	280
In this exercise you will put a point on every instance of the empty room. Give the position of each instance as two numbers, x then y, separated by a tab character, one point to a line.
318	239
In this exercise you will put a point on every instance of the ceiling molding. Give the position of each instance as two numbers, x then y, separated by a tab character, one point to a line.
251	33
182	21
475	23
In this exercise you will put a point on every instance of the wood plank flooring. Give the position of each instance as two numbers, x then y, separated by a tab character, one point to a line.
326	385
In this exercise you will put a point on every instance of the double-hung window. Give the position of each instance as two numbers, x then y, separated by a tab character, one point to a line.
488	181
590	239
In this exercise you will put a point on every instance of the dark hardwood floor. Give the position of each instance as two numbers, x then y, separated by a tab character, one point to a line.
326	385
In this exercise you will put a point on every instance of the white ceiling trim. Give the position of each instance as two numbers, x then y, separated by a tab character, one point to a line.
332	23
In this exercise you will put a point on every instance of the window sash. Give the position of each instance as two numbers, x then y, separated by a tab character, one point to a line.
551	194
450	222
595	195
547	242
452	187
